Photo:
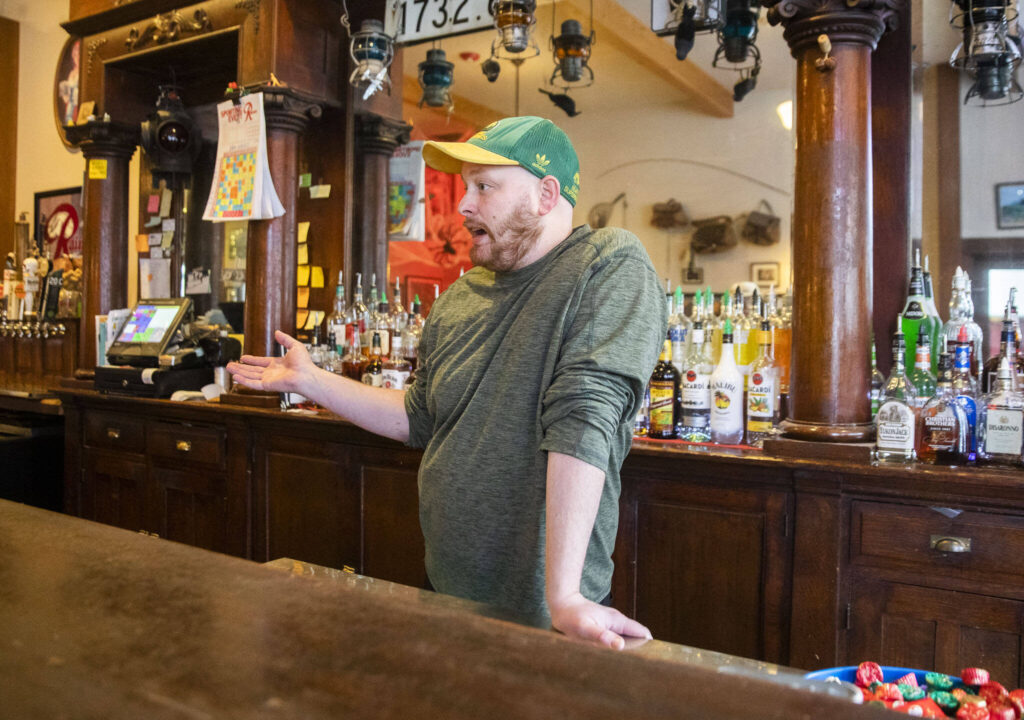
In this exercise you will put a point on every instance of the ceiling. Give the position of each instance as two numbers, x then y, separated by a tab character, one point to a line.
631	65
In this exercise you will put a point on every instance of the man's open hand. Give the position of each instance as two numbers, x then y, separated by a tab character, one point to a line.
578	617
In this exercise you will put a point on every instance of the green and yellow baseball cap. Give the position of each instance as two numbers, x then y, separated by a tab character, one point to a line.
533	143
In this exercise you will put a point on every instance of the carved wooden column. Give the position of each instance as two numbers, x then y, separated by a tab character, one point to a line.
832	215
376	139
107	149
271	255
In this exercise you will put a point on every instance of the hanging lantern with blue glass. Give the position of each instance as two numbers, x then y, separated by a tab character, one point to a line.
737	48
372	51
435	78
988	53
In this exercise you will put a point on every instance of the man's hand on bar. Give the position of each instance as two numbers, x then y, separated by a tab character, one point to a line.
277	374
578	617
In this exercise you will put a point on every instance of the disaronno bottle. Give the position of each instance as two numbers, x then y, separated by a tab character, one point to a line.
1001	421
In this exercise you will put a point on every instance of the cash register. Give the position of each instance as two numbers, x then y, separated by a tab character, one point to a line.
153	354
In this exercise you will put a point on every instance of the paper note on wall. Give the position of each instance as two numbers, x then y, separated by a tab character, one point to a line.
302	297
154	278
303	254
302	275
316	279
303	232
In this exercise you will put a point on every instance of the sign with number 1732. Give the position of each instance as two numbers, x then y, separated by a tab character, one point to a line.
416	20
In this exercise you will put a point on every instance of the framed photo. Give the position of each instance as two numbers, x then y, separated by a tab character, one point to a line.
58	222
766	273
66	86
1010	205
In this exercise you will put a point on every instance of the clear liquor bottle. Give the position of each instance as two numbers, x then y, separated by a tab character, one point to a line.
695	390
921	374
915	311
664	387
358	313
396	368
373	291
353	360
942	432
717	331
1007	349
1001	420
742	329
641	423
782	340
338	319
727	395
895	423
384	325
762	391
965	387
961	314
373	370
679	330
877	382
754	310
397	310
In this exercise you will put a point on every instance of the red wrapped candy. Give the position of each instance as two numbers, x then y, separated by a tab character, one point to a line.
992	691
972	711
887	692
1001	711
974	676
922	708
867	673
1017	694
908	679
1016	703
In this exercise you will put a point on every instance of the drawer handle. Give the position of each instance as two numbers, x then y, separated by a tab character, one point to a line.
948	544
183	446
114	433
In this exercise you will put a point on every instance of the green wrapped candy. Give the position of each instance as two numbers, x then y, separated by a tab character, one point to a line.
938	681
912	692
945	700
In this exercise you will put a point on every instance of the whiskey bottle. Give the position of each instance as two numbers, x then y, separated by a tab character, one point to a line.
1001	421
1007	349
727	394
762	391
373	370
695	390
965	387
895	422
942	433
353	360
921	375
396	368
664	386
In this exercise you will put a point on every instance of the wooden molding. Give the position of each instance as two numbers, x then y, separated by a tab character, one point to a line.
9	33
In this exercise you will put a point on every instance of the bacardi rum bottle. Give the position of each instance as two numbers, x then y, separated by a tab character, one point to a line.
1001	421
895	423
942	431
695	392
664	386
762	391
727	394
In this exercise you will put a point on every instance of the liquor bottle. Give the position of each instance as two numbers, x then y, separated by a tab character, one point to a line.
397	310
336	321
895	422
965	387
353	360
742	329
641	422
373	370
877	382
762	391
782	339
1001	420
359	314
915	313
678	330
1008	350
1015	318
756	312
383	325
719	329
942	432
396	368
727	394
373	291
961	313
664	385
921	375
695	391
929	294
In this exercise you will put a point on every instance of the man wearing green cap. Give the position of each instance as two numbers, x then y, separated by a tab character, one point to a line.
531	370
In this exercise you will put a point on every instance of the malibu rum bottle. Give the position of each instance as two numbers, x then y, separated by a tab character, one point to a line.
664	386
727	394
942	431
1001	421
895	423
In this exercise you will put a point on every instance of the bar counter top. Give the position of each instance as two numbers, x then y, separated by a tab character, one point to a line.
105	623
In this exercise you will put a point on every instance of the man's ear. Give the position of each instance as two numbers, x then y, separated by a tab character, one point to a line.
550	191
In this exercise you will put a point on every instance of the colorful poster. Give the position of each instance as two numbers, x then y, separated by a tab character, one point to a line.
406	204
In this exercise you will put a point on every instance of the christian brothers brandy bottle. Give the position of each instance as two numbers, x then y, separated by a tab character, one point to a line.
942	429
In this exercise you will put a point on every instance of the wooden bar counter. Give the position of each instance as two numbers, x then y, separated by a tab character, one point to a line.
101	622
796	560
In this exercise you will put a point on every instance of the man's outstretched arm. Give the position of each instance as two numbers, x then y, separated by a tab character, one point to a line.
372	408
573	496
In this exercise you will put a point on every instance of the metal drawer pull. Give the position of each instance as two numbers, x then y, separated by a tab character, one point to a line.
948	544
113	433
186	446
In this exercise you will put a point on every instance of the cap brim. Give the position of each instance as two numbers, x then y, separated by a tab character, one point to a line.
449	156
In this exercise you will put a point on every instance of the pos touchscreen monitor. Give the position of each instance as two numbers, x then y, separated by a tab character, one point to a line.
148	332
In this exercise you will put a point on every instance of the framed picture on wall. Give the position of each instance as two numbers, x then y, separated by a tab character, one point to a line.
764	273
1010	205
66	87
58	222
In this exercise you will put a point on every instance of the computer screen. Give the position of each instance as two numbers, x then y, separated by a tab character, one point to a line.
149	323
148	331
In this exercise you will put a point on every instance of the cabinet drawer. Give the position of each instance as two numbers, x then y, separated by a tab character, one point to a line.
190	444
970	545
114	432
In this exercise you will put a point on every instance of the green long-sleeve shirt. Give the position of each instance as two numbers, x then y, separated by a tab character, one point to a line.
554	356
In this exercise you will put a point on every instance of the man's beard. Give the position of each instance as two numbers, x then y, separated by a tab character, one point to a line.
508	241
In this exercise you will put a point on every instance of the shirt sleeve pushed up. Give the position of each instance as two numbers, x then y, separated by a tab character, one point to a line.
607	356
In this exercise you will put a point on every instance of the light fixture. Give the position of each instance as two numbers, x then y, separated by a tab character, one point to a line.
372	51
571	52
491	69
785	112
514	21
169	137
436	79
988	53
737	48
690	17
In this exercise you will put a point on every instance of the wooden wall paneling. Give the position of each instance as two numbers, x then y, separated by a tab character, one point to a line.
947	105
9	48
890	156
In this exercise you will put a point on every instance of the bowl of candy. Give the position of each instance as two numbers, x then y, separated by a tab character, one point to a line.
919	693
